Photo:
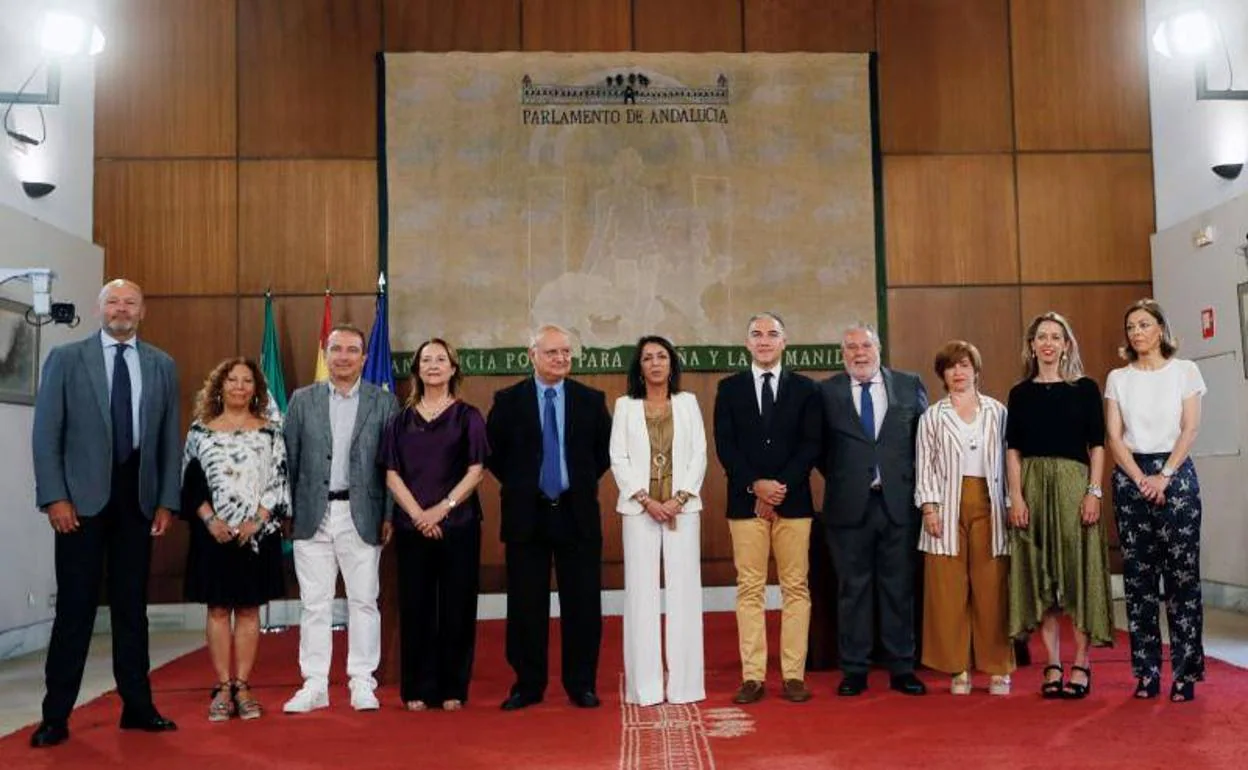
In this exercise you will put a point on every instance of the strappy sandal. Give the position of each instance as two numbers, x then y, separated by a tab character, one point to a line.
452	704
1074	690
416	705
1051	689
960	684
248	707
221	708
1147	688
1182	692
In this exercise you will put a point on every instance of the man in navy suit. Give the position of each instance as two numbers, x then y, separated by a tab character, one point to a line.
107	451
767	438
549	445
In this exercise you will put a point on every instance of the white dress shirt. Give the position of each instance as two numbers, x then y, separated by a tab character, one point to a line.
758	383
136	376
879	398
342	411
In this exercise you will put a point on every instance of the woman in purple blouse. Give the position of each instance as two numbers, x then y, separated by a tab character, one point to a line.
434	452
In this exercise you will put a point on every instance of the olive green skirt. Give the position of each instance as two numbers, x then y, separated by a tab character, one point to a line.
1058	562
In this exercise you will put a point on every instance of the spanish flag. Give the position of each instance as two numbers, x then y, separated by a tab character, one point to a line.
327	323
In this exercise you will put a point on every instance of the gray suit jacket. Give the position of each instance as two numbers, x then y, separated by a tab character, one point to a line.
72	440
309	445
850	456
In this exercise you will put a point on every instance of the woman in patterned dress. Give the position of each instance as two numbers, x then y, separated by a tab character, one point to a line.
1152	415
234	493
1059	558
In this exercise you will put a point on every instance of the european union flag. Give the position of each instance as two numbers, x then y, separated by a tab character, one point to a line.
379	367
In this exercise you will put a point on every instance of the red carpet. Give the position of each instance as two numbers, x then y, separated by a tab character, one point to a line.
879	730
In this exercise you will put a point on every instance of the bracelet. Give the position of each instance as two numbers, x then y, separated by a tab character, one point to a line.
682	497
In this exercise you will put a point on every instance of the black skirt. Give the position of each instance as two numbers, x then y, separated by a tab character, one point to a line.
230	574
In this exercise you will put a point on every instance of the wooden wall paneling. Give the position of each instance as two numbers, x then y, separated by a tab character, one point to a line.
950	219
307	78
462	25
169	226
944	75
1080	74
577	25
166	326
165	83
303	222
298	321
1085	217
921	320
809	25
692	25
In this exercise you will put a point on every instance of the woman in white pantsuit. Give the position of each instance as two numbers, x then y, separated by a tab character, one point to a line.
658	457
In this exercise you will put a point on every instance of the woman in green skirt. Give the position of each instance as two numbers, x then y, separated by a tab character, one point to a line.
1059	561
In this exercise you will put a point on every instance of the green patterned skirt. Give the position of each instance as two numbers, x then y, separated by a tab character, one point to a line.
1058	562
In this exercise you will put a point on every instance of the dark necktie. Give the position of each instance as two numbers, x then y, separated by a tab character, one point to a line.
867	411
768	399
122	408
551	480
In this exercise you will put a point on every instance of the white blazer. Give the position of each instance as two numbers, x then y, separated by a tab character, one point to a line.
630	451
938	467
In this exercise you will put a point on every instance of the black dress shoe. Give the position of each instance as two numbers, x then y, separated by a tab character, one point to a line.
852	684
49	734
908	684
148	723
585	700
518	700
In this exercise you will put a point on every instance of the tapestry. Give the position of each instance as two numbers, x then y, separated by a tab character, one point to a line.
622	194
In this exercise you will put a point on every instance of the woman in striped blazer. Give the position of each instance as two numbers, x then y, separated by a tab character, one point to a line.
960	459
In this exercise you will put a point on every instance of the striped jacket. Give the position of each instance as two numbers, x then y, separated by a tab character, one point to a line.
938	457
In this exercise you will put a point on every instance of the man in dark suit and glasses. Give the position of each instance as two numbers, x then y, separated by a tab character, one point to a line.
549	445
767	439
871	416
107	451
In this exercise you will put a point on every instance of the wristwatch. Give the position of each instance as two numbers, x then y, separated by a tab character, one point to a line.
451	502
1167	471
1095	491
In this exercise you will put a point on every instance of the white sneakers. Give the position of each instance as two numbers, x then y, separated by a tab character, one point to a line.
363	698
308	698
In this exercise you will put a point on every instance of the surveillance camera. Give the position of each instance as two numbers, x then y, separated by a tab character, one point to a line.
63	313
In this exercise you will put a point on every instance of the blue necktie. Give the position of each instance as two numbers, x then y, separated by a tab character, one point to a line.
867	414
122	408
551	480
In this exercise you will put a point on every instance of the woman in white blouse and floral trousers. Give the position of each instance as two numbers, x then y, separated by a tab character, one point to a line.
960	458
1152	414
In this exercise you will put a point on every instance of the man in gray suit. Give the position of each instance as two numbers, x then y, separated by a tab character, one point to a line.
107	451
871	417
341	517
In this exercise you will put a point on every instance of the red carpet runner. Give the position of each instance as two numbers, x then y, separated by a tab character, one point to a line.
878	730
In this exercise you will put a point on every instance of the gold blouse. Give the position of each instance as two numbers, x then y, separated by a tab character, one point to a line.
661	430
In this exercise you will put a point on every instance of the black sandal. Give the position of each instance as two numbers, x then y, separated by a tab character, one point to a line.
1182	692
1147	688
1076	691
1052	689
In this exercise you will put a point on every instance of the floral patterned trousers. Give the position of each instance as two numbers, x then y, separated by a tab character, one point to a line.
1161	562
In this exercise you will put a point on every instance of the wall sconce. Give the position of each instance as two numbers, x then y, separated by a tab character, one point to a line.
37	189
1228	170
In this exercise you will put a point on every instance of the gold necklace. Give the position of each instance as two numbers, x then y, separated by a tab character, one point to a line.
431	411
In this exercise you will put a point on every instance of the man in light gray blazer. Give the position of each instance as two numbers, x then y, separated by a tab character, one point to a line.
107	452
341	517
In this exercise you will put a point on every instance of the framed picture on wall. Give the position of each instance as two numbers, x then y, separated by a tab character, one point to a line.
1243	326
19	354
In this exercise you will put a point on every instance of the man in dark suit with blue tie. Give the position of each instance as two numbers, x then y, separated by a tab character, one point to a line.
549	446
107	451
871	417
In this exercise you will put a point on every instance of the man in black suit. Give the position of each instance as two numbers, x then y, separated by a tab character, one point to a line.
871	416
549	439
767	439
107	451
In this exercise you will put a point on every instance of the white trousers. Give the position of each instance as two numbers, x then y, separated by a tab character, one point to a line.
644	541
338	546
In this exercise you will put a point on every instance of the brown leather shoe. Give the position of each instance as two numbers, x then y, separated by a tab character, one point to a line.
795	691
750	691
